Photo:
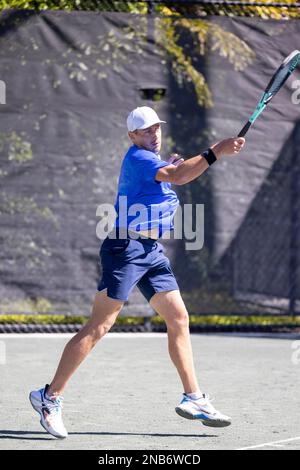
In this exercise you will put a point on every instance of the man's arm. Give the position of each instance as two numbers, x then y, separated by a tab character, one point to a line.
194	167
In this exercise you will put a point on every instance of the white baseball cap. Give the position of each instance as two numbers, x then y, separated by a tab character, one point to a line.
141	118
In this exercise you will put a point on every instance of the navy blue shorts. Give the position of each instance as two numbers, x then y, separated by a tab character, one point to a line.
128	262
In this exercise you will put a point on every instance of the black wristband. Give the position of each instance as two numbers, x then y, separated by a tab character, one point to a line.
209	156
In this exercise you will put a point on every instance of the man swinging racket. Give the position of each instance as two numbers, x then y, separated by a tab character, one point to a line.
135	257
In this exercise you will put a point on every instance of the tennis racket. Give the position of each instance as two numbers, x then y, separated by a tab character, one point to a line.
280	76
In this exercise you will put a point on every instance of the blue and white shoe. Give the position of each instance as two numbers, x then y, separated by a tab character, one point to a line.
50	410
203	410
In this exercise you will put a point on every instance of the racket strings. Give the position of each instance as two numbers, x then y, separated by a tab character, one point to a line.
281	75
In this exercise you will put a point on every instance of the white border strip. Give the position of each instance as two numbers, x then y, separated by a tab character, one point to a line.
273	443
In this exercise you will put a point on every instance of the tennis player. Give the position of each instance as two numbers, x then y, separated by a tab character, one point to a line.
133	256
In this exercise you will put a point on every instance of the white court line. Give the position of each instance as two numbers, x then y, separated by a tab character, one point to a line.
271	443
69	335
275	445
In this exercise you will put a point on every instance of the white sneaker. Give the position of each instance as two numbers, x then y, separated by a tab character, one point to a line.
203	410
50	410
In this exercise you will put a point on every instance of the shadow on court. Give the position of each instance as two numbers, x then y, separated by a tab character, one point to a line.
124	394
5	434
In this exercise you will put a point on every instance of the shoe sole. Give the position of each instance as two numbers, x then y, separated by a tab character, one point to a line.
41	420
207	422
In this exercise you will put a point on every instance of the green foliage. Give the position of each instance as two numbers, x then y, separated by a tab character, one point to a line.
61	320
169	34
213	37
24	205
40	305
237	320
182	66
23	248
140	7
264	12
17	149
156	320
69	5
207	37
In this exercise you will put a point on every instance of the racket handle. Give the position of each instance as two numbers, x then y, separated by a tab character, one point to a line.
245	129
176	156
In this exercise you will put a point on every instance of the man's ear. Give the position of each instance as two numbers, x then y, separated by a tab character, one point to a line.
129	135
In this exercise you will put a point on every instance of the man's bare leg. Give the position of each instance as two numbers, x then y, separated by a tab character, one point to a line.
170	306
104	313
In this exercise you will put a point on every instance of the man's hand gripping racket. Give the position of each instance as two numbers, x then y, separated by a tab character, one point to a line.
234	145
279	78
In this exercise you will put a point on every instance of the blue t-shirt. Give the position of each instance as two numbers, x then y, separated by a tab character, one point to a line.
142	202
